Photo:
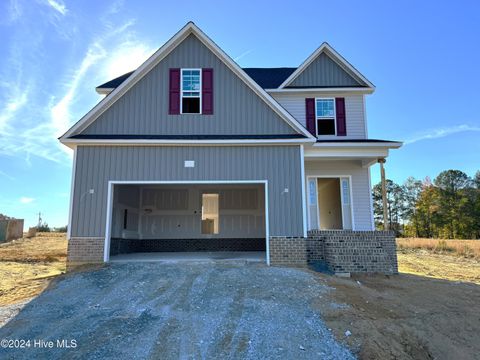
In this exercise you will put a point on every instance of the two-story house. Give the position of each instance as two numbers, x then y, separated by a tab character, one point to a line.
190	152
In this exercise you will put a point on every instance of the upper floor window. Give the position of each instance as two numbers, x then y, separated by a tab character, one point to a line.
191	95
325	116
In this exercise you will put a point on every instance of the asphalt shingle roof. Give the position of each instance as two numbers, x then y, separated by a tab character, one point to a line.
267	78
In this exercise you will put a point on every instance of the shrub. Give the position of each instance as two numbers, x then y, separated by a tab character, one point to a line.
61	229
43	228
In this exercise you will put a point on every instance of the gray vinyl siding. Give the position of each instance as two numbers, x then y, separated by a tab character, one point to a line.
323	71
143	110
354	108
96	165
362	211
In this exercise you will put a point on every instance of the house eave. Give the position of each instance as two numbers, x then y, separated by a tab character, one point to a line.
367	153
104	91
149	142
360	145
356	90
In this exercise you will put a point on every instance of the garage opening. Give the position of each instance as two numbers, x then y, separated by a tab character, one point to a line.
167	218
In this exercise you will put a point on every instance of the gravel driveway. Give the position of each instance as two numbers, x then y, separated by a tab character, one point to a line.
172	311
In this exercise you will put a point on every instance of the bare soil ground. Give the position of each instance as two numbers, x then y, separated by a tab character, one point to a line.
28	265
405	317
431	310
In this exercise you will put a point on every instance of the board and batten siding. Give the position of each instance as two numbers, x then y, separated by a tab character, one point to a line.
323	71
96	165
354	110
361	193
143	109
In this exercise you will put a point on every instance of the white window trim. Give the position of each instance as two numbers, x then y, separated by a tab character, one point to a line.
326	117
182	91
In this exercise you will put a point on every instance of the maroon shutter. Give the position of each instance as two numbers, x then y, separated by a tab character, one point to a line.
310	115
174	92
207	91
341	121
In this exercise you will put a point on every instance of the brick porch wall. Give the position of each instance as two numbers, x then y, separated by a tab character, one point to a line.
85	250
343	251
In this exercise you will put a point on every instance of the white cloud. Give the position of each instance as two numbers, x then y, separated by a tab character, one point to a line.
126	57
26	200
14	11
118	57
441	132
245	53
13	104
58	6
4	174
33	111
61	117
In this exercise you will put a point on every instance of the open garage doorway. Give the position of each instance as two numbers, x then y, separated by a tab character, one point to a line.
165	218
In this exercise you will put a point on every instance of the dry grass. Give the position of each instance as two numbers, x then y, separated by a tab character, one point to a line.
439	266
464	248
454	260
28	265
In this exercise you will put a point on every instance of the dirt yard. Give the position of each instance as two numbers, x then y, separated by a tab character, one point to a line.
28	265
431	310
405	317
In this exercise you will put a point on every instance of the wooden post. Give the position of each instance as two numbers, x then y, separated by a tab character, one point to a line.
384	194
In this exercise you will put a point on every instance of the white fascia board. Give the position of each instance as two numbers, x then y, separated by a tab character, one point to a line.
334	55
348	153
150	142
354	90
350	145
104	91
160	54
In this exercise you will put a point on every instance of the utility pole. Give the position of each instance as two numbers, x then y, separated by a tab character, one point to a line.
39	220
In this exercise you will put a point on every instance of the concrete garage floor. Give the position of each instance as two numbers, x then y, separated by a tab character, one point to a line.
154	310
198	256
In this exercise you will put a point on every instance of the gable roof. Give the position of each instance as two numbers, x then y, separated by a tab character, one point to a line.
161	53
114	83
267	78
325	48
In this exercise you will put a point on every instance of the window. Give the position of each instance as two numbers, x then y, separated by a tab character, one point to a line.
325	116
191	91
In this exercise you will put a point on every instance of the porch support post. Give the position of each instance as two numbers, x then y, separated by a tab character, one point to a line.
384	194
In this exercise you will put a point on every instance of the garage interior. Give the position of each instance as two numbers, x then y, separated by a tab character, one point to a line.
193	218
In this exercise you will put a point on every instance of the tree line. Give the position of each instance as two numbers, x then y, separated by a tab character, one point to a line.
448	207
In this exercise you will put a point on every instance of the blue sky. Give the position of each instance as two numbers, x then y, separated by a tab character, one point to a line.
422	56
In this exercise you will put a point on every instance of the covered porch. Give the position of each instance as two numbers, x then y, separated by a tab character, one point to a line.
338	184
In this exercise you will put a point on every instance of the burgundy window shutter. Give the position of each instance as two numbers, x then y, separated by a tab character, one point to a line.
174	92
207	91
341	119
310	115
